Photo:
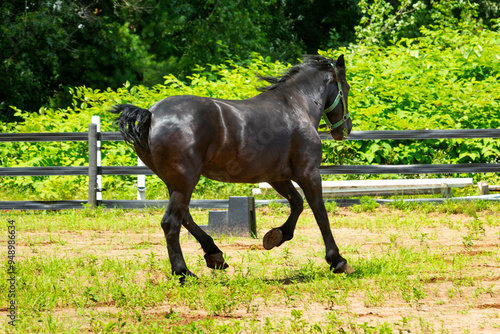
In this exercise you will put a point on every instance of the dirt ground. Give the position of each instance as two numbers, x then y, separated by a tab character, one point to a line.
473	308
436	313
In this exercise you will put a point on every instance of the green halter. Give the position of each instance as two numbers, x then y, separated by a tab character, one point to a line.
340	96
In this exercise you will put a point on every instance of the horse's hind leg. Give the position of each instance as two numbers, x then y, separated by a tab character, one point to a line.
277	236
213	255
171	225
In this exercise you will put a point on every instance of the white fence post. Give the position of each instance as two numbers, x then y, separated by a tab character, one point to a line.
97	121
141	183
92	201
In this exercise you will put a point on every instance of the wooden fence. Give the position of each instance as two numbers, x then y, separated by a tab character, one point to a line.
93	170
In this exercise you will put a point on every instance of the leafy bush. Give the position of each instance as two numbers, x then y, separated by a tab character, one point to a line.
446	79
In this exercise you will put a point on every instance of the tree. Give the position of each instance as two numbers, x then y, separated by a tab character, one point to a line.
184	33
29	41
47	45
323	24
386	21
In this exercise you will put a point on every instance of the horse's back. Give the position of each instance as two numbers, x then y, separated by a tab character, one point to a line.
232	140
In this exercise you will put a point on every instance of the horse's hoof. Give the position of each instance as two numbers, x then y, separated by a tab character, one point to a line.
343	268
273	238
216	261
184	276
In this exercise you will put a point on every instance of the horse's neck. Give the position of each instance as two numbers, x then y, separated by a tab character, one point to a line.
312	94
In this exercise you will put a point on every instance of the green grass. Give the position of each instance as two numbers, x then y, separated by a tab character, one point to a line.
107	271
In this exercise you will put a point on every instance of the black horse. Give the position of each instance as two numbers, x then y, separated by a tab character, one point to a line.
271	137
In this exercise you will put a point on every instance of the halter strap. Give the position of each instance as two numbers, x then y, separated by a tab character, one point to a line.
340	97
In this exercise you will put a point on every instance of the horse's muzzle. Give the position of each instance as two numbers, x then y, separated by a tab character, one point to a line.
342	132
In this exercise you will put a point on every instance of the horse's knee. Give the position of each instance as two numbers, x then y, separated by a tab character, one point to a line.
170	227
165	225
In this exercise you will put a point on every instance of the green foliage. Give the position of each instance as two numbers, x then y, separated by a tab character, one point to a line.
331	206
228	80
323	24
446	79
21	69
207	32
49	45
384	22
367	204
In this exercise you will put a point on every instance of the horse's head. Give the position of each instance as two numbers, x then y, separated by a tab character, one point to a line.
336	115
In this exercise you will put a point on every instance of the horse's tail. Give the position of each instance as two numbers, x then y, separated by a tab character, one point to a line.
133	123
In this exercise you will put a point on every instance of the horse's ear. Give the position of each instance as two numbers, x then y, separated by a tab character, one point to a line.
340	61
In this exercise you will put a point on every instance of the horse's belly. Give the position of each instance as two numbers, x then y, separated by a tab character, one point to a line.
249	156
244	171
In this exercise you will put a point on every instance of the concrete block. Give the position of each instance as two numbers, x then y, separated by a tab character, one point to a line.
238	221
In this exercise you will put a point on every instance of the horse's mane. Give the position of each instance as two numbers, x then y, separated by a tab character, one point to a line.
319	62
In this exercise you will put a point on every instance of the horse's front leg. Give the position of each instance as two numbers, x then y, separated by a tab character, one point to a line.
311	185
279	235
213	255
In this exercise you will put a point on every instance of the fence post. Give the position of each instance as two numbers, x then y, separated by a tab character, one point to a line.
484	187
92	201
97	120
141	183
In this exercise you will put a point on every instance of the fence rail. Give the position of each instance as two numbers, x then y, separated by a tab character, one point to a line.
58	136
419	134
355	135
93	170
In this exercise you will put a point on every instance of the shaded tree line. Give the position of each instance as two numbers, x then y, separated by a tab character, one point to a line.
47	46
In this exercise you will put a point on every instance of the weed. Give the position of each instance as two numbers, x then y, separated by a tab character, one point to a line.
90	295
335	297
413	292
412	206
467	241
476	228
399	204
450	206
422	237
403	325
374	298
219	301
331	206
367	204
425	325
334	320
277	206
393	239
